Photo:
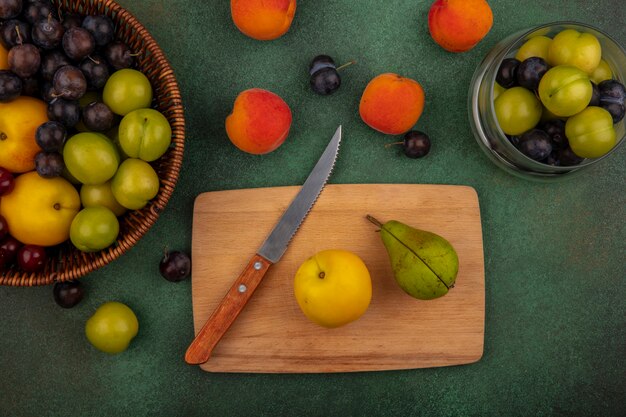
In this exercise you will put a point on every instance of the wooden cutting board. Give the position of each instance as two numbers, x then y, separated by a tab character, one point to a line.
397	332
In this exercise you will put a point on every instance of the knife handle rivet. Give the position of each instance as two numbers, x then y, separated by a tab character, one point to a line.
242	288
258	266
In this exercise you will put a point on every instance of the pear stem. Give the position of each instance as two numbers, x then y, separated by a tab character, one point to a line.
373	220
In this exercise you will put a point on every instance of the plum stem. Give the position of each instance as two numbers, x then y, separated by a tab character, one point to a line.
393	144
19	35
346	65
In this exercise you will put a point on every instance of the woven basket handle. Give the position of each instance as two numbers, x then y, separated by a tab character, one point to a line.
227	311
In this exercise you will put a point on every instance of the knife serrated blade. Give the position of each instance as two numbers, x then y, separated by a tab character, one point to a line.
270	252
276	243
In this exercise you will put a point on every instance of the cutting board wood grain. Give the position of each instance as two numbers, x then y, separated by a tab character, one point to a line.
397	332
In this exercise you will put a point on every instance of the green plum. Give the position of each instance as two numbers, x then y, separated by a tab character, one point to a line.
517	110
591	133
127	90
66	174
497	90
112	327
565	90
536	46
91	158
602	73
94	229
100	195
581	50
145	134
135	183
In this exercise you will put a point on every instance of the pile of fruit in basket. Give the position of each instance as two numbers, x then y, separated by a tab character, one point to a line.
78	132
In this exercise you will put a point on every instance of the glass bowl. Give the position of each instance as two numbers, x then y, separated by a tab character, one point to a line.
492	139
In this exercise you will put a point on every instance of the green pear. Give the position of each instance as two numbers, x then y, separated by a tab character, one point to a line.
425	264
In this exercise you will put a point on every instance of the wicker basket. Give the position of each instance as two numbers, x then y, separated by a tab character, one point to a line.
68	263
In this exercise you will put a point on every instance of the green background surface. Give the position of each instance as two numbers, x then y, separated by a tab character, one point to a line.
554	253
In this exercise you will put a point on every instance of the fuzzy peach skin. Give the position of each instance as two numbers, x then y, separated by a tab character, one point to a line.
392	104
19	120
458	25
260	121
263	19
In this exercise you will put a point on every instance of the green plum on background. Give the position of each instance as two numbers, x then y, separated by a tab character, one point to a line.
91	158
602	73
581	50
127	90
100	195
94	229
517	110
112	327
591	133
145	134
537	46
135	183
497	90
565	90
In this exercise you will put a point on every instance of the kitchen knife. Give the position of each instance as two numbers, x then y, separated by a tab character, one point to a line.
270	252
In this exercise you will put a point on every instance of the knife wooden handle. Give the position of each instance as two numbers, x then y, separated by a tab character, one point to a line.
227	311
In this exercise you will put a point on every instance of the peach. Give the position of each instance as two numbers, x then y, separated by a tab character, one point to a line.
4	58
19	120
263	19
260	121
458	25
392	104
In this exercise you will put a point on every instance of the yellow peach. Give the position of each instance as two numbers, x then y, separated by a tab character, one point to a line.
19	120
